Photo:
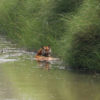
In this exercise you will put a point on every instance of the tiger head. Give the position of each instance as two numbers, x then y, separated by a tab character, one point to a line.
46	51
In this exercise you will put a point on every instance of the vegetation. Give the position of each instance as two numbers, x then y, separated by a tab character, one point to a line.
71	27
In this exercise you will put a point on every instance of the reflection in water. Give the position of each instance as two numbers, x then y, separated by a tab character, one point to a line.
26	79
31	82
44	64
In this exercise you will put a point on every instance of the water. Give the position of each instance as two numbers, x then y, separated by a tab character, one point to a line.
23	78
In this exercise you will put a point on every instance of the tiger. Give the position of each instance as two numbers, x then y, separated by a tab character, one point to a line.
44	51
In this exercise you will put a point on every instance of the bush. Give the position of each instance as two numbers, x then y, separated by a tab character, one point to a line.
82	39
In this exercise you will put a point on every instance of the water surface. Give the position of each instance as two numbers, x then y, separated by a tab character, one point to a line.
23	78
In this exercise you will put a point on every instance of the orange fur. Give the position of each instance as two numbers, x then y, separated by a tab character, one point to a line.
45	51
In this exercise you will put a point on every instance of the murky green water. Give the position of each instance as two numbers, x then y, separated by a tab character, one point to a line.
23	78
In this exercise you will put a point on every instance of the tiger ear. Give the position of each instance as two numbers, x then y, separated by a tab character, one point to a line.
44	47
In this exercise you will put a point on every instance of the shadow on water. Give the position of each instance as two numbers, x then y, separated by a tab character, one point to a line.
23	78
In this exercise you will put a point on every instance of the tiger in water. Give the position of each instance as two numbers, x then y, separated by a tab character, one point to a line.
44	51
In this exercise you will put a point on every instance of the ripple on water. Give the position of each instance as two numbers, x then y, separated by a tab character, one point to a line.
9	53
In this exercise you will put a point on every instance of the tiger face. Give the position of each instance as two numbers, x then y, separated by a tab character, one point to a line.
44	51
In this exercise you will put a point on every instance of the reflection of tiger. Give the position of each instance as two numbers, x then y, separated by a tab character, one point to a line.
44	51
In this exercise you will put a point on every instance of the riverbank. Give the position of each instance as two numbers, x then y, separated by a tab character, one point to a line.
71	28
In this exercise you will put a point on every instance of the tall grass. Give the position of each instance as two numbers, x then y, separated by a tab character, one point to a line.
30	23
71	27
82	39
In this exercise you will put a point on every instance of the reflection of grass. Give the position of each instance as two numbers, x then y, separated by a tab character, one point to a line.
34	83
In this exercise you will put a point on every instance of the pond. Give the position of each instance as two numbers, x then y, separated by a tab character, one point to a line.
23	78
